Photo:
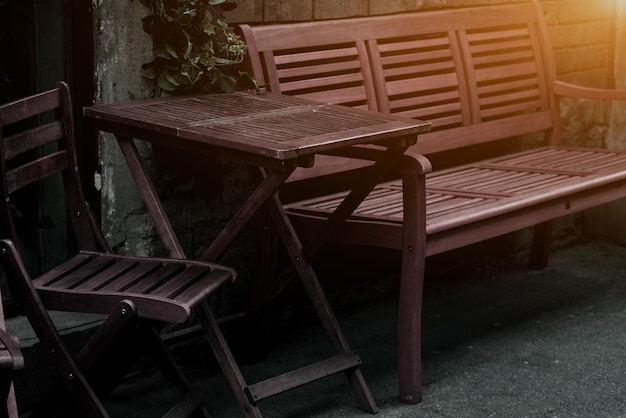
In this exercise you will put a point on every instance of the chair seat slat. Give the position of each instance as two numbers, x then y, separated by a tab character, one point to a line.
156	278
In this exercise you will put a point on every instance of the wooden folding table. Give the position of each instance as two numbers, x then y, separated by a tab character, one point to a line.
277	134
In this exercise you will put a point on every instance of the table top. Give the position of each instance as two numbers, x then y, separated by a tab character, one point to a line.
263	124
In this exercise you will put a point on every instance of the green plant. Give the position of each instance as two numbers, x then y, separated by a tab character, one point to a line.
194	49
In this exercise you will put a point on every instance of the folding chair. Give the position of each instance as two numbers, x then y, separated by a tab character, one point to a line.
11	361
137	294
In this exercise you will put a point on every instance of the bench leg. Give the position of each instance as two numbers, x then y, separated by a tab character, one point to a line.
411	290
540	245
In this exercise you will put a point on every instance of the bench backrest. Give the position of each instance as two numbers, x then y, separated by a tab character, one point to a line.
479	74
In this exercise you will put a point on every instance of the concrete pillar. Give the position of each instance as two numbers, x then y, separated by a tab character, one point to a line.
121	47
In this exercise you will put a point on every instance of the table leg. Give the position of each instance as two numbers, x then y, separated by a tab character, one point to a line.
246	212
352	201
150	196
318	298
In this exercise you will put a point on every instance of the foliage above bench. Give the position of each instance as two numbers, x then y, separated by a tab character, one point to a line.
194	48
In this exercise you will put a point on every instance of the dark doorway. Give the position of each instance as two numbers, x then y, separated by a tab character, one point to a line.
42	42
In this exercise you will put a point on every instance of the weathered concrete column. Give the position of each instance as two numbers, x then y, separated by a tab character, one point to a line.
121	46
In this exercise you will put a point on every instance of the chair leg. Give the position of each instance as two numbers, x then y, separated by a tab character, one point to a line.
540	245
106	335
97	348
226	361
70	373
42	324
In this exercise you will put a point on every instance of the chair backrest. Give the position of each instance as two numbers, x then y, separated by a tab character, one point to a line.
36	143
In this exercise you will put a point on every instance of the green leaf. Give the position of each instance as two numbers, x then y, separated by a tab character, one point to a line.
170	50
172	79
160	52
164	83
216	2
227	84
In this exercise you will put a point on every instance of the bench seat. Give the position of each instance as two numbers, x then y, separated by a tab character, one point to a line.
535	186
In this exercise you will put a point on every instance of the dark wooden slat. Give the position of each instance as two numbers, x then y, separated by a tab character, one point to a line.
84	272
181	281
136	274
156	278
27	140
63	269
113	272
199	290
330	54
36	170
29	107
304	375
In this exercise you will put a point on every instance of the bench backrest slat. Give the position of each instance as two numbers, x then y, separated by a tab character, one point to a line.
479	74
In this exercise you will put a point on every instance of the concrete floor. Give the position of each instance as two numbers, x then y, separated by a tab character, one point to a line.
501	341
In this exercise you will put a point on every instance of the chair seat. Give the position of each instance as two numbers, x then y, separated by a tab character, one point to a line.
161	289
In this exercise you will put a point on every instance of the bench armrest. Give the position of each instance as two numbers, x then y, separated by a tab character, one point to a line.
562	88
414	163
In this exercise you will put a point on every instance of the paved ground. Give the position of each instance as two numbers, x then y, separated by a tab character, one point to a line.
501	341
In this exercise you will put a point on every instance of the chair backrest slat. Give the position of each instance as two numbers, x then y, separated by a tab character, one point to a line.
36	170
22	142
29	107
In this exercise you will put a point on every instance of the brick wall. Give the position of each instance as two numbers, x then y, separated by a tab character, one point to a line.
582	31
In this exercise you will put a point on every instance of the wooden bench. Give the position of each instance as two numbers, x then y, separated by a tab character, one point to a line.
481	75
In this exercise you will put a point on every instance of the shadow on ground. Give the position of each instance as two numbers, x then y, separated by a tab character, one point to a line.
499	341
